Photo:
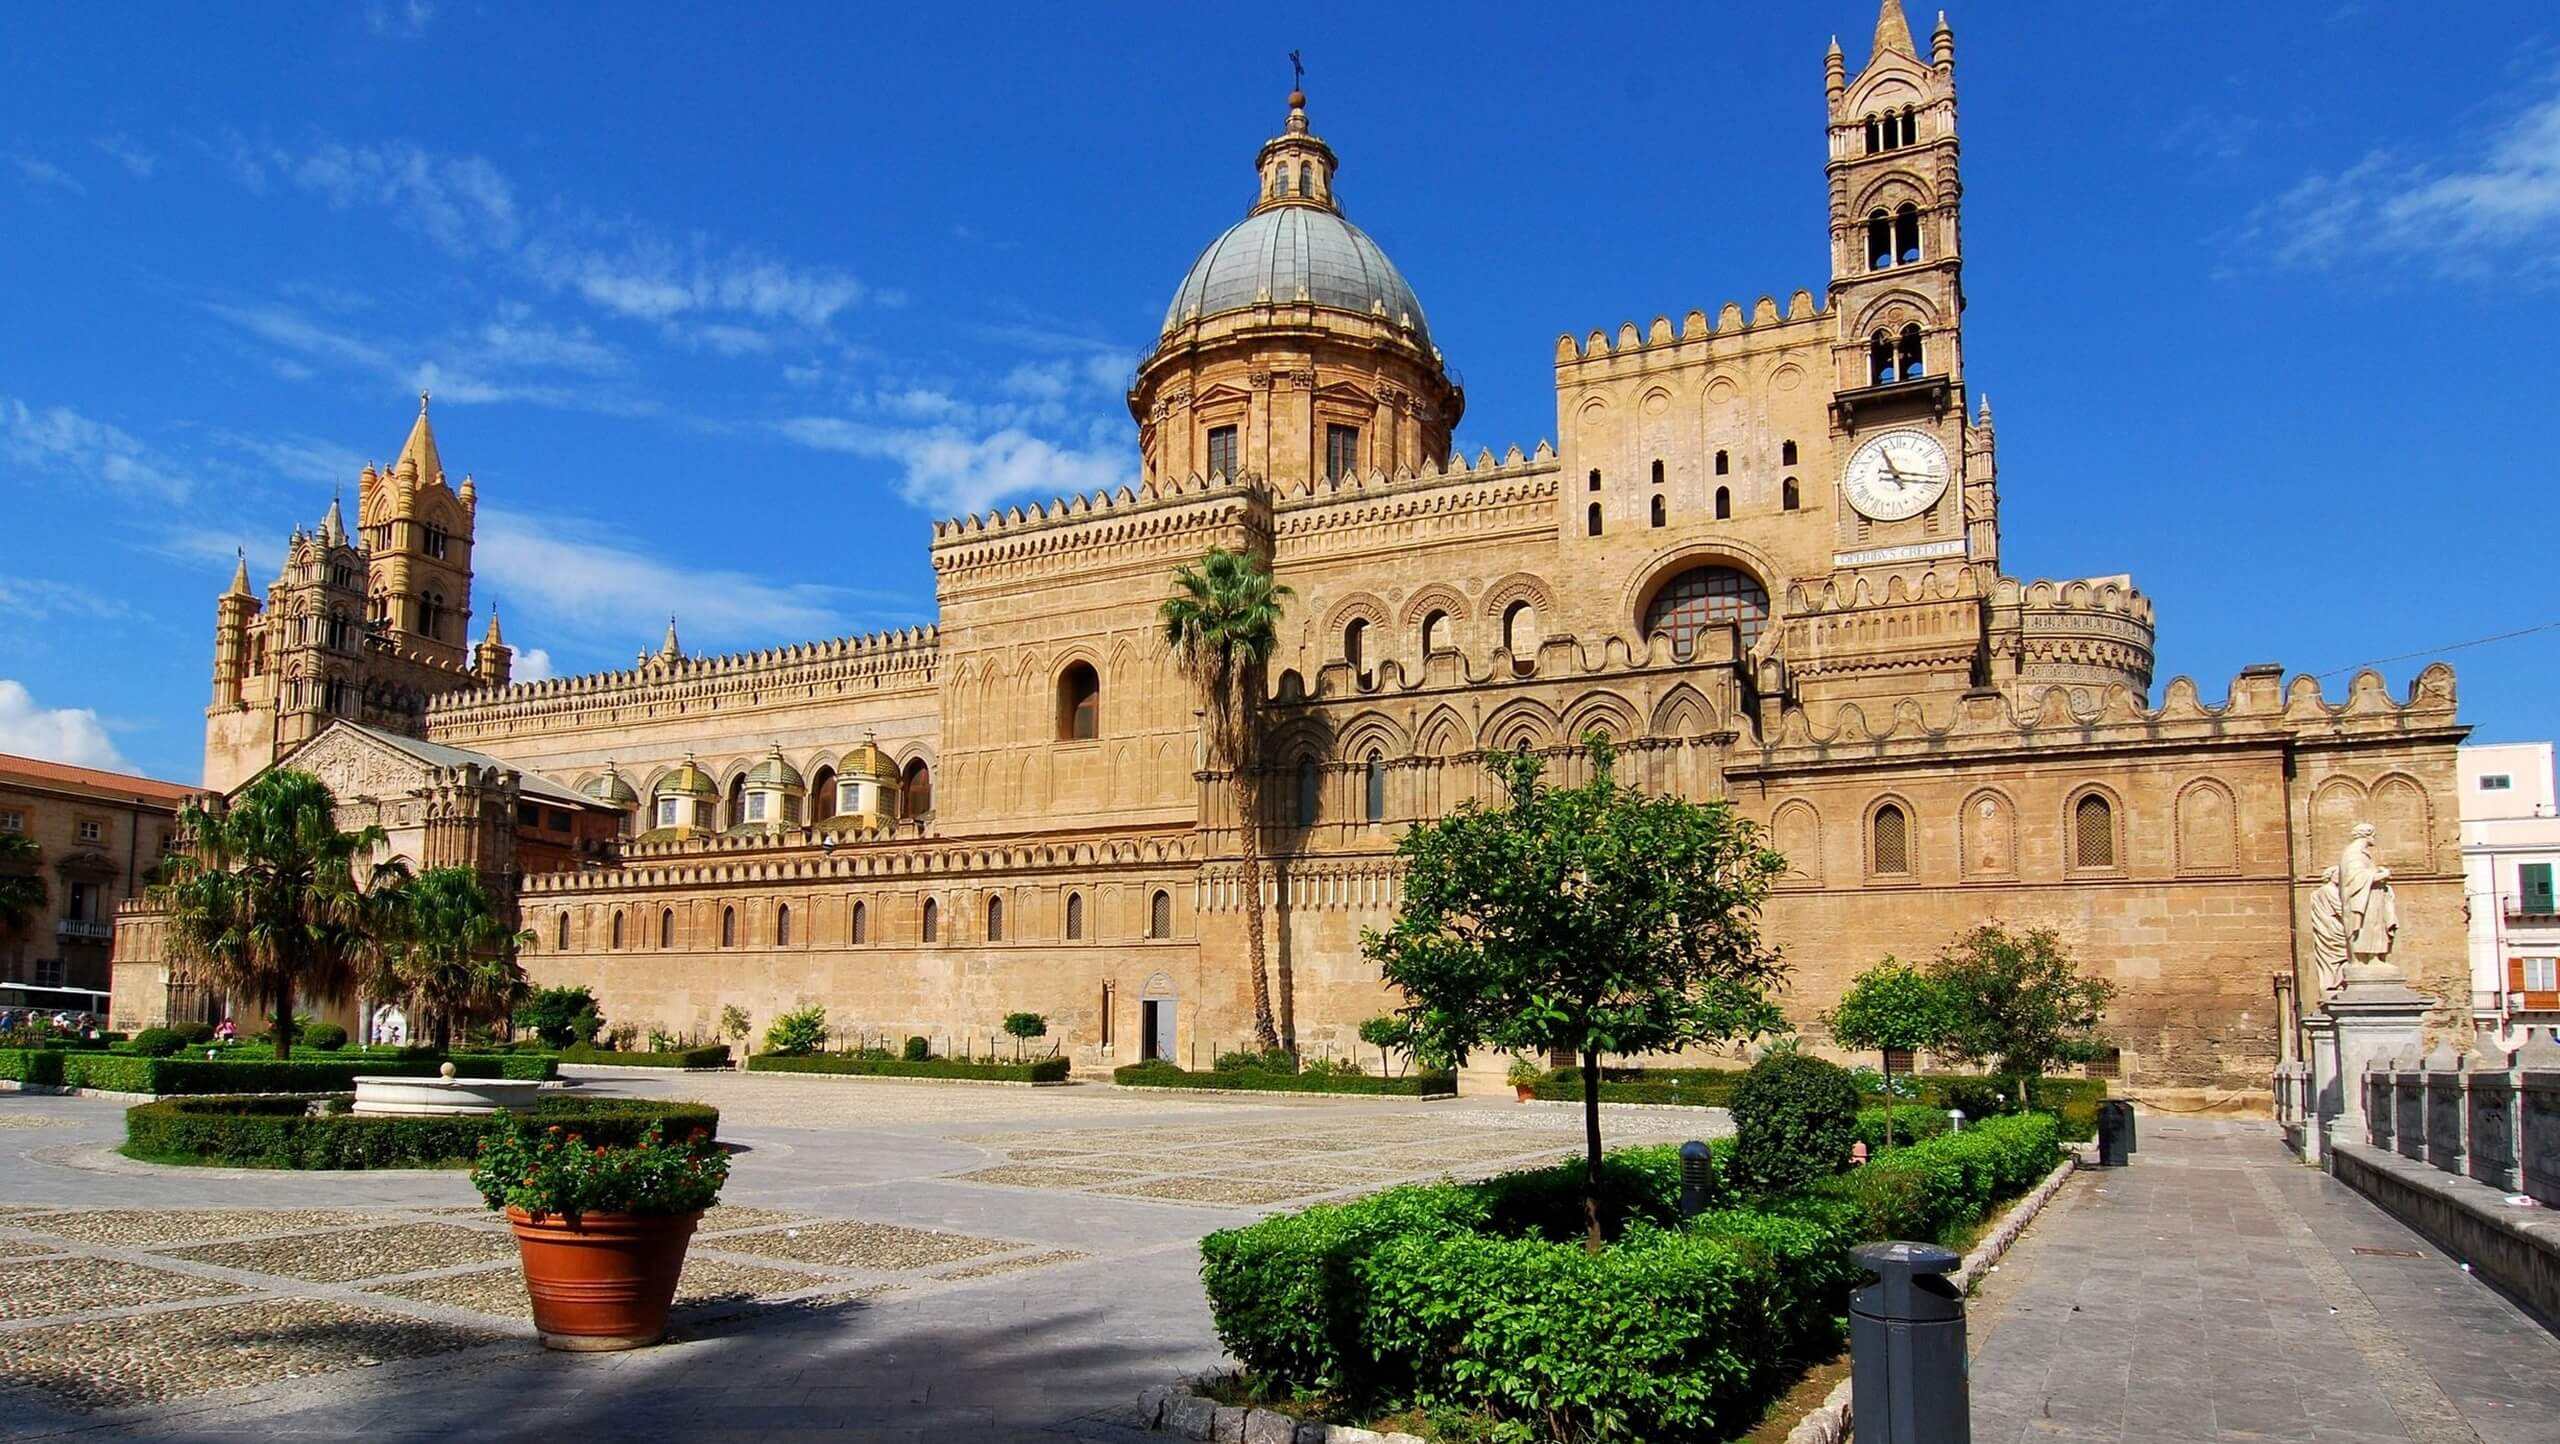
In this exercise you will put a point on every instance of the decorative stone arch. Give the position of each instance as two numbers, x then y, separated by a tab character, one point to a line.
1893	310
1376	622
2086	850
1795	829
2337	805
1684	712
1987	831
1890	191
1606	711
2404	837
1656	571
1373	730
1522	719
1877	851
1444	734
1058	671
2208	822
1437	597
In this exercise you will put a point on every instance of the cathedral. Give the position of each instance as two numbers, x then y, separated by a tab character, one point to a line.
1762	553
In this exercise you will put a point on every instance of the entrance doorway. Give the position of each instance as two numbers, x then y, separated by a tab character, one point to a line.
1155	1020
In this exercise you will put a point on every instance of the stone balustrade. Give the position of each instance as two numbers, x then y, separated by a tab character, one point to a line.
2484	1115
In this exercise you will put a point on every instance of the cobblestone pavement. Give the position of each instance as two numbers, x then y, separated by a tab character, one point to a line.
2217	1290
895	1261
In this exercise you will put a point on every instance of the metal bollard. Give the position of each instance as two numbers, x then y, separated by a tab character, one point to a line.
1697	1178
1906	1348
2115	1133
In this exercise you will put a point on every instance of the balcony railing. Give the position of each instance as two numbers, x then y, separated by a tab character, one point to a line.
83	931
2530	909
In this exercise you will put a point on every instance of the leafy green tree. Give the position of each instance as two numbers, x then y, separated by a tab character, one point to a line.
560	1016
2018	1001
1221	625
1591	918
797	1034
1022	1027
270	899
1892	1006
1388	1034
453	951
22	890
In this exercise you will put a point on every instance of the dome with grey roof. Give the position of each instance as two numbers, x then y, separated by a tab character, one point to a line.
1296	254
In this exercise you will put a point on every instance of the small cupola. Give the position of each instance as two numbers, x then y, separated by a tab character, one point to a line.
1297	168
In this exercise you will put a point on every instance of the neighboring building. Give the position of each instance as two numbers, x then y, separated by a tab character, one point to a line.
99	837
1764	556
2510	868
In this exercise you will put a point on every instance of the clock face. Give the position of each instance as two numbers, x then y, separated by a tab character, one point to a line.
1896	475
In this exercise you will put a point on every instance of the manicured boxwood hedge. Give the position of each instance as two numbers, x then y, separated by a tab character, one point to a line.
2072	1100
1030	1070
126	1073
281	1131
1481	1296
1259	1080
710	1055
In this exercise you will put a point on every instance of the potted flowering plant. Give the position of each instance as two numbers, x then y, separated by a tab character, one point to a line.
1524	1077
602	1230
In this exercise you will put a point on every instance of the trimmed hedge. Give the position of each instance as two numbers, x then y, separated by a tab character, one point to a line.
1030	1070
1482	1296
2072	1100
1912	1122
40	1066
1263	1080
709	1055
271	1131
131	1073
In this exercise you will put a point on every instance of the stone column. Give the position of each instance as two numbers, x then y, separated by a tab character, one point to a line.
2375	1016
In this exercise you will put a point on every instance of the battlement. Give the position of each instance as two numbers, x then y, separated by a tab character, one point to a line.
799	856
2116	595
1694	330
1558	658
1062	511
1837	594
907	655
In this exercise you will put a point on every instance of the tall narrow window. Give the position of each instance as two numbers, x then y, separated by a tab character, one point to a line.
1906	235
737	799
1724	503
1079	704
1222	452
1520	629
1306	179
1786	453
995	920
1355	646
561	942
1910	127
931	931
1160	915
2093	832
1890	832
915	790
1374	794
1310	781
1907	353
1591	523
1341	451
1724	463
666	927
1788	497
1595	479
1661	513
782	926
1880	363
1075	917
859	930
1657	471
1875	136
617	930
1879	240
728	927
1435	634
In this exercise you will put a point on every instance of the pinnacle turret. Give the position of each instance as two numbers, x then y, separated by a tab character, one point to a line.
418	454
1893	33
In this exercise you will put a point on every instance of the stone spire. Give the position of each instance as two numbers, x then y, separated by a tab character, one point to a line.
333	527
1942	45
418	454
1835	71
470	493
240	576
1296	167
1892	33
671	650
493	660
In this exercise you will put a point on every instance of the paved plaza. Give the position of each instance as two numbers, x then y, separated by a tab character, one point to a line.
903	1261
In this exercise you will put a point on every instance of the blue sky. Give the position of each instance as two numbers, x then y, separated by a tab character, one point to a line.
723	307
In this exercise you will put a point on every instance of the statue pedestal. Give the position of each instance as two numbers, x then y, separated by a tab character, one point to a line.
2374	1016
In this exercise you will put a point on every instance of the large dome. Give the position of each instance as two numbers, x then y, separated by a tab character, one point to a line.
1291	254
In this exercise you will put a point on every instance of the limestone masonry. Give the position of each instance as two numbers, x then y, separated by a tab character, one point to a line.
1763	555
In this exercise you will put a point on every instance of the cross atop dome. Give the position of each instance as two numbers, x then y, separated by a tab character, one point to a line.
1296	167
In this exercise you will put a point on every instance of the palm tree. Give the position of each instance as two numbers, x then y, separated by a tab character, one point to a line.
1222	624
22	891
265	898
453	951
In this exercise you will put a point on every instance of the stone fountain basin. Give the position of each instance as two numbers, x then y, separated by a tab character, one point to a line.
417	1097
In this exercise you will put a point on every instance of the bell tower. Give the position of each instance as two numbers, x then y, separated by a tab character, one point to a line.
417	535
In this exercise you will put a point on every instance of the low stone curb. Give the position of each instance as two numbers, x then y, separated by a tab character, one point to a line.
1288	1093
53	1090
1066	1082
1830	1421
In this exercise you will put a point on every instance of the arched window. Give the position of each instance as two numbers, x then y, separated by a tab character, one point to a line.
1724	503
1079	704
931	931
916	790
1880	364
561	944
1520	629
1879	240
1306	179
617	930
1075	917
1374	794
1704	597
822	794
1788	498
782	926
1786	453
1906	234
1591	522
1355	645
1910	126
728	927
737	799
2093	832
666	927
1160	915
1657	471
1875	136
995	920
1661	513
1907	352
1889	845
1724	463
1310	782
859	930
1435	634
1595	479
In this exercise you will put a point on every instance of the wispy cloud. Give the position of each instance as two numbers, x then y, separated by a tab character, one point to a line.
294	457
461	203
651	279
56	734
61	442
532	664
512	357
36	599
39	171
949	472
2465	217
399	19
137	161
220	545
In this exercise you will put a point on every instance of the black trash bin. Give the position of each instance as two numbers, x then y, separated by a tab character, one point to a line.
2115	1133
1906	1348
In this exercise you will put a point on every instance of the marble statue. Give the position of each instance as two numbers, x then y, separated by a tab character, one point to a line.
2364	899
390	1025
2329	932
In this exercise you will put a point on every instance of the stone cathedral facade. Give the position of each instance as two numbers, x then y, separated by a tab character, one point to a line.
1763	554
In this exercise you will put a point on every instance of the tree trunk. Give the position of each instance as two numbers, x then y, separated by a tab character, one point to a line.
284	1017
1249	829
1591	1146
1888	1098
444	1031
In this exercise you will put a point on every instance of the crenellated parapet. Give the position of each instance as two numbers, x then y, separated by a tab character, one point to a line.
1075	533
1513	493
1731	334
908	657
2093	633
803	857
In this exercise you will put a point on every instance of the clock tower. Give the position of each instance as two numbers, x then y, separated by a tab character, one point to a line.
1897	305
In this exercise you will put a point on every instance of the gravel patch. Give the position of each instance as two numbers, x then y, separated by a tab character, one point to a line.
709	1281
110	1363
154	1228
1230	1192
880	1247
500	1291
1139	1162
1315	1176
30	1120
730	1217
337	1258
13	1248
78	1284
1014	1265
1024	1175
490	1291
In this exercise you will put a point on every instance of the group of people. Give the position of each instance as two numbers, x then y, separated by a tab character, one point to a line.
86	1025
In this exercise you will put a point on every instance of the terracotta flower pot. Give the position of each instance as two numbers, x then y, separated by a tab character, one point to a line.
1525	1091
605	1282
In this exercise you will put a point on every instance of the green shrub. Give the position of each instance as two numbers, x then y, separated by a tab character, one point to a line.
192	1034
1794	1117
39	1066
1636	1184
561	1016
156	1043
273	1131
1161	1074
1687	1087
1911	1123
1978	1098
1259	1060
125	1073
1938	1188
706	1055
2073	1103
327	1037
1031	1070
797	1034
917	1050
546	1169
